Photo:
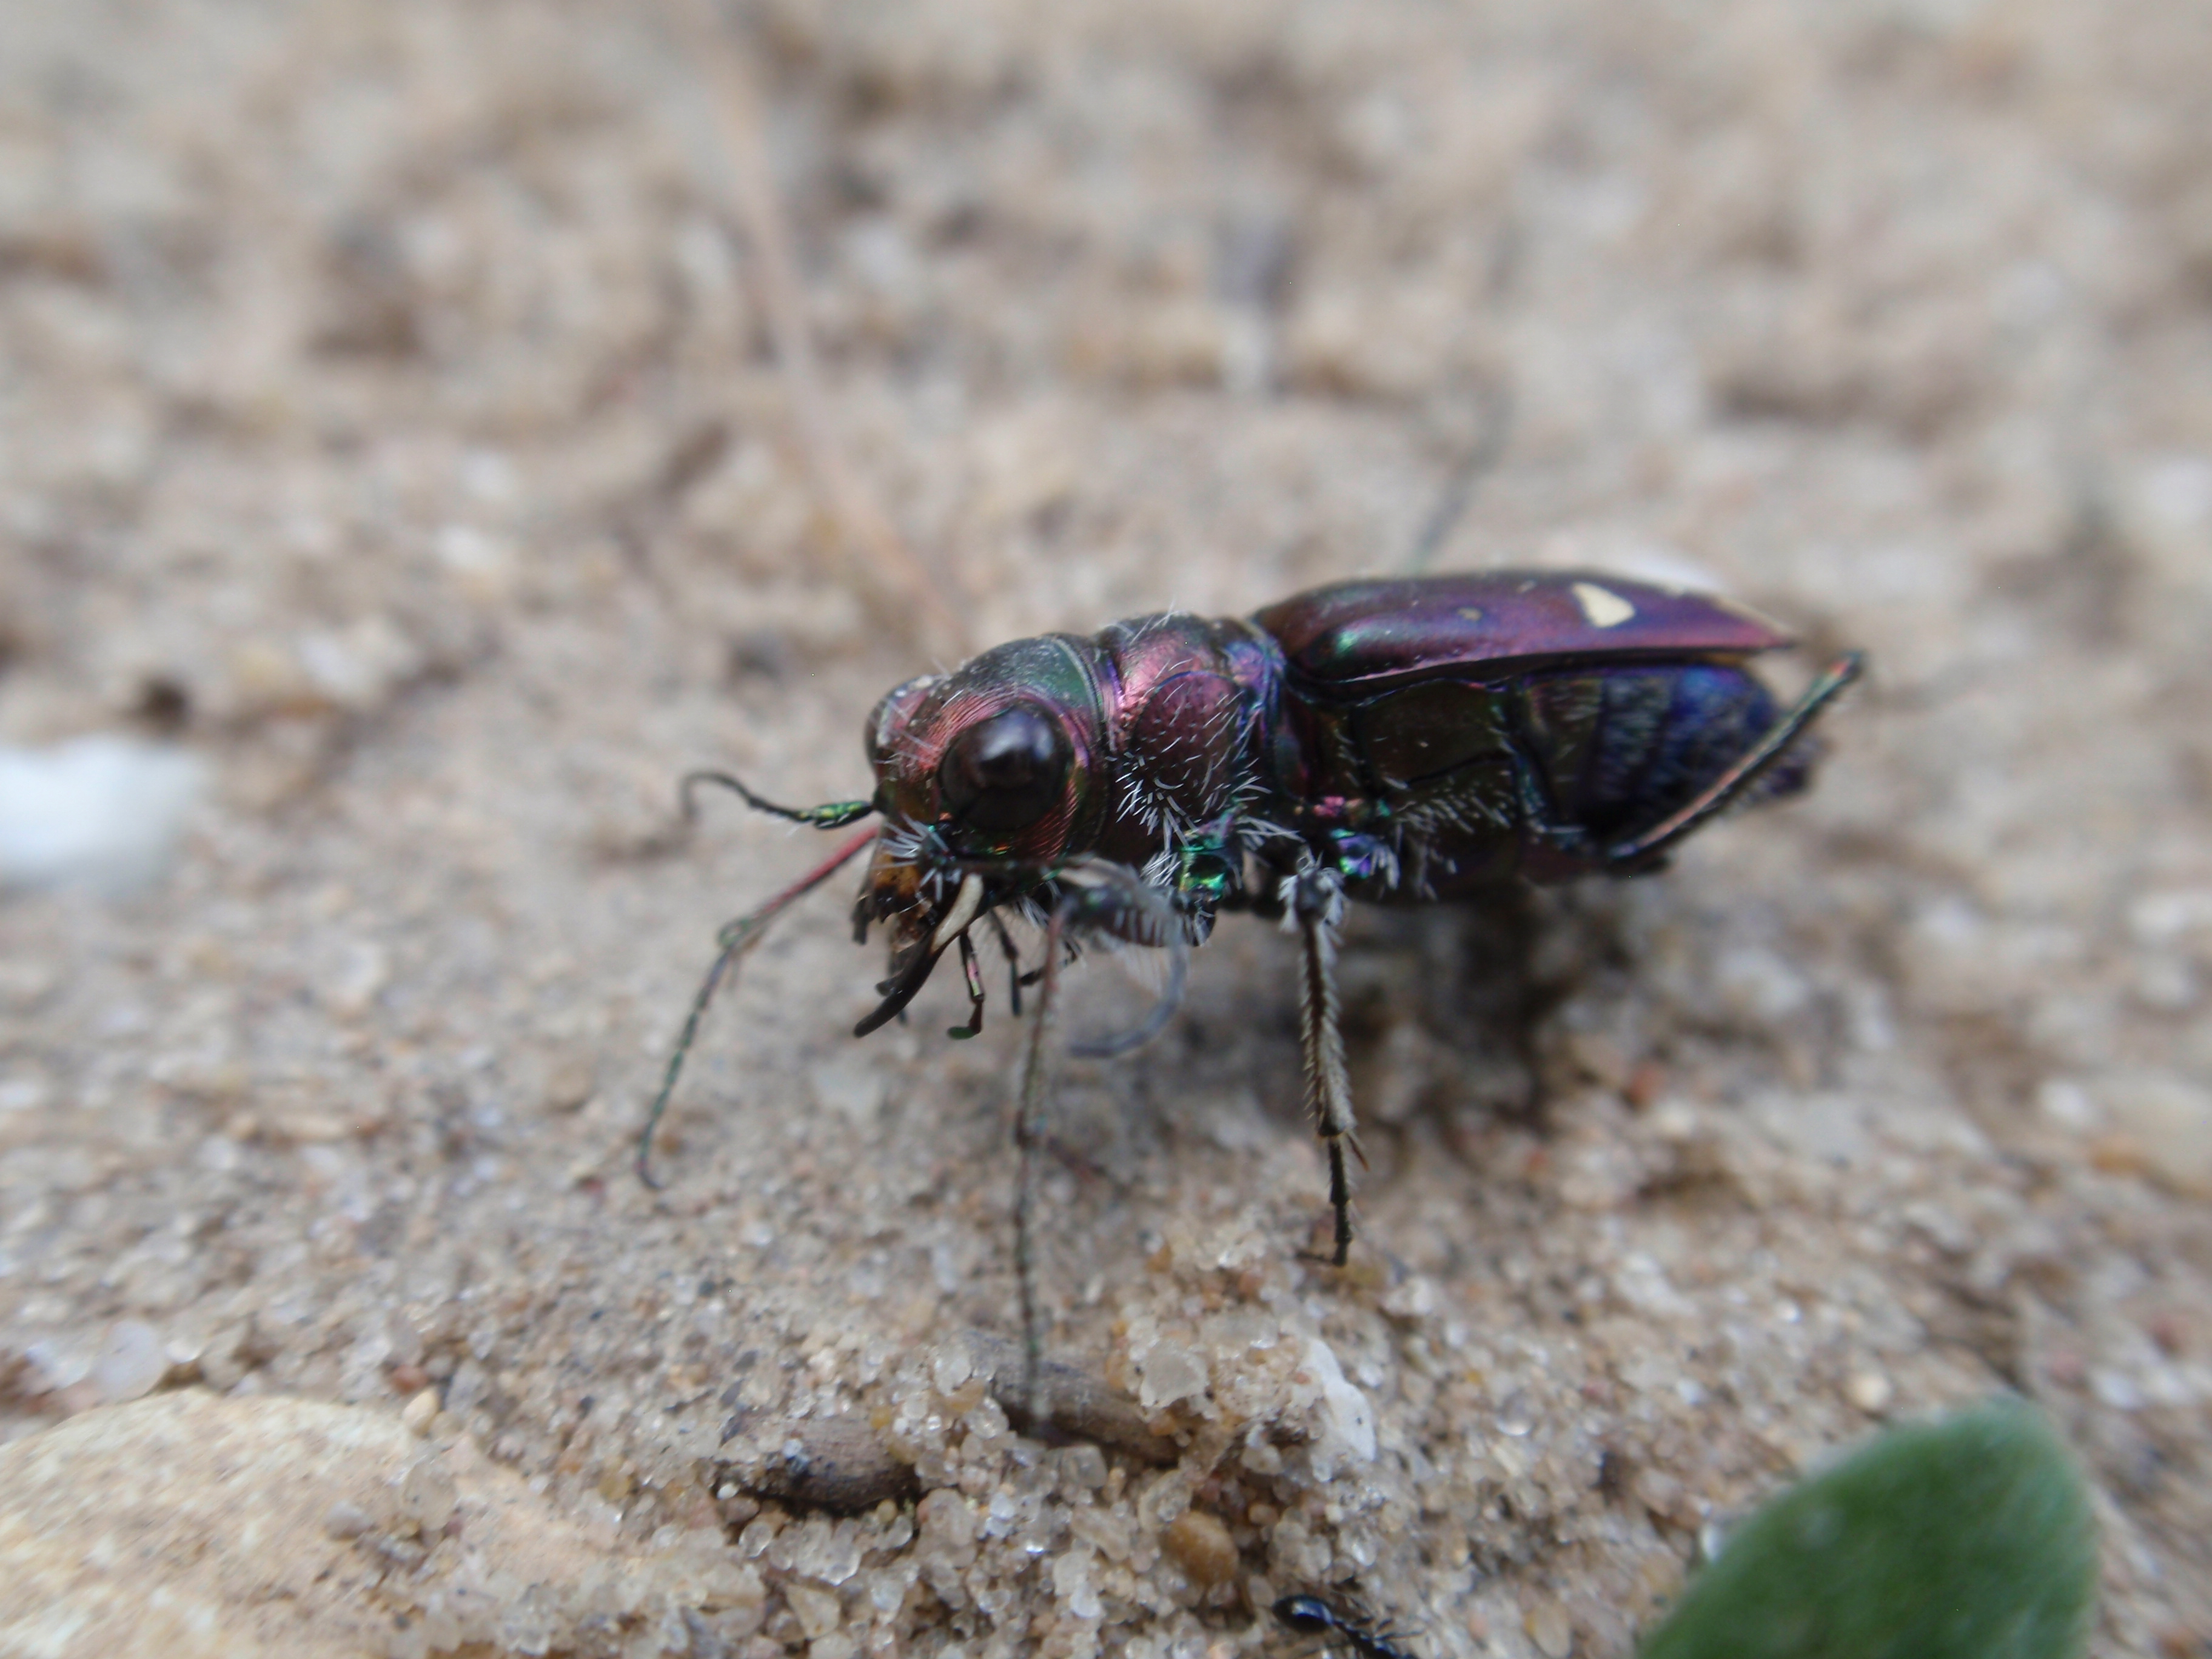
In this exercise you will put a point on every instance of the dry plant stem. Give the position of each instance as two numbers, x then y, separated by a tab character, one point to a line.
1028	1131
1070	1401
841	1464
907	593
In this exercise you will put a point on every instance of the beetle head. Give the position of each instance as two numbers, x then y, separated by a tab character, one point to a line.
986	772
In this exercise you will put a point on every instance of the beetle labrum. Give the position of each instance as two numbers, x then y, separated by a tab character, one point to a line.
1406	740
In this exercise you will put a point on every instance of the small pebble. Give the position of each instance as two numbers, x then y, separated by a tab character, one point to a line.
421	1411
1201	1546
1871	1391
130	1363
346	1520
427	1495
2167	1123
1171	1372
102	811
570	1084
817	1610
1549	1628
2067	1105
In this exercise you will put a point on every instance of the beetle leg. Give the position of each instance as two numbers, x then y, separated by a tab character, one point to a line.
1565	840
1028	1134
736	939
1154	1022
1317	901
1748	768
1013	963
1098	896
972	972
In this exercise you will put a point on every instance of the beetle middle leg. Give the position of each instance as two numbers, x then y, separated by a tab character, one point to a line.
1028	1133
1317	905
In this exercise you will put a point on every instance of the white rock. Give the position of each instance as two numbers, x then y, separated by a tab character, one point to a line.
1871	1391
103	811
2068	1105
131	1362
1758	987
1170	1372
2157	918
2170	1120
1345	1417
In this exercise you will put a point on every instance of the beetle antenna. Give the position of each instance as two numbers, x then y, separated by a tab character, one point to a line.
834	814
737	938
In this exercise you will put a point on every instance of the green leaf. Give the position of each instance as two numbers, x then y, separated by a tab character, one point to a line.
1967	1538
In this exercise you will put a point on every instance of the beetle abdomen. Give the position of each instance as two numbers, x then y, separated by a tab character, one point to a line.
1621	748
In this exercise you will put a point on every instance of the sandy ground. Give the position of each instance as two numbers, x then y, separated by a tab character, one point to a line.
388	415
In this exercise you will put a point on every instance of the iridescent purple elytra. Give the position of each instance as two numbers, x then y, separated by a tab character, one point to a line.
1398	741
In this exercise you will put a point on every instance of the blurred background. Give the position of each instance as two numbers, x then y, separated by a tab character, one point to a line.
428	429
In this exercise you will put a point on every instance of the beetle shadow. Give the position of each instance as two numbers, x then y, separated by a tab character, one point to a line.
1448	1010
1447	1017
1441	1009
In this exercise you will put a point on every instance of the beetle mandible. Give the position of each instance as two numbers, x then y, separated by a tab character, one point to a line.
1400	740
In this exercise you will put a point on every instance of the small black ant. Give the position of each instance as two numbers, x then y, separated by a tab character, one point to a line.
1310	1615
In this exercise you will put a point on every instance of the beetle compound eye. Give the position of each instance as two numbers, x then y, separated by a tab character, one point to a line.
1005	773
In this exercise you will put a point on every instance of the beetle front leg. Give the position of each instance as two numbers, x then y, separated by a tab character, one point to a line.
1317	904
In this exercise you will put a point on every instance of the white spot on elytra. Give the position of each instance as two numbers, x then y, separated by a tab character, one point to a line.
1604	607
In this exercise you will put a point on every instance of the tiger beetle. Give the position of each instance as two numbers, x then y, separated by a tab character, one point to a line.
1402	741
1313	1615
